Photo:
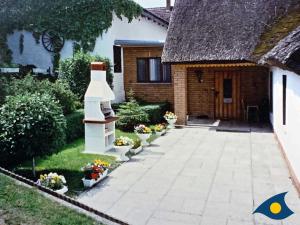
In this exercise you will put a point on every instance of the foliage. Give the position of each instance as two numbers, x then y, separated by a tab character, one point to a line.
130	114
52	181
58	89
68	161
75	126
156	111
79	20
30	125
76	71
4	88
23	205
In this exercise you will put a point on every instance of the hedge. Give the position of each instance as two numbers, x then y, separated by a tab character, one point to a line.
156	111
75	126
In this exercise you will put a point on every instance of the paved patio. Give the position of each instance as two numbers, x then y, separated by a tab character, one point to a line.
198	176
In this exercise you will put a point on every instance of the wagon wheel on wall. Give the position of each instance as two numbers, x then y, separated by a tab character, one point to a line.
52	41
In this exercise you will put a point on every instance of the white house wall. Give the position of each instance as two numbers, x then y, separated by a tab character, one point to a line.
138	29
289	134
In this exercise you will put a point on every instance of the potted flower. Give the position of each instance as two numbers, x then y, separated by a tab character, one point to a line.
94	172
137	147
54	181
123	144
171	118
159	129
143	133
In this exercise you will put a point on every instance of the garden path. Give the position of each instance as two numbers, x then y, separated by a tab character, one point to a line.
198	176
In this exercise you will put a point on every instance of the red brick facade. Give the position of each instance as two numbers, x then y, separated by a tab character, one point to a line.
149	92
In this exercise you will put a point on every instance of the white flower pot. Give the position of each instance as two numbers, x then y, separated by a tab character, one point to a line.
90	183
160	133
63	190
171	123
144	138
123	150
136	150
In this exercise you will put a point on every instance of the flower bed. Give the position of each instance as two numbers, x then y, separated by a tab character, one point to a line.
123	145
53	181
144	133
94	172
171	118
160	129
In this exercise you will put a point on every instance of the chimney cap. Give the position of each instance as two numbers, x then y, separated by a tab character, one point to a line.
98	66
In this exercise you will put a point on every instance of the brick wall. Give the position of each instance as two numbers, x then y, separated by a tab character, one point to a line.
149	92
201	100
180	93
200	95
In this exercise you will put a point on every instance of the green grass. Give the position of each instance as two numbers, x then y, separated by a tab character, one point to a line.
24	205
68	162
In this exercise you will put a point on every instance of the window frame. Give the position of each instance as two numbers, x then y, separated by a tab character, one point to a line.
284	85
117	56
147	72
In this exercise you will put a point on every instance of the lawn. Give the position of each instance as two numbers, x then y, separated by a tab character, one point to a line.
68	162
24	205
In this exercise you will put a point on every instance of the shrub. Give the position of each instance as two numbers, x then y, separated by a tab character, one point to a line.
58	89
131	114
4	88
156	111
75	126
31	125
76	71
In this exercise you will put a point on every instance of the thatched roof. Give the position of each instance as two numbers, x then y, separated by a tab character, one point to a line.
286	53
202	30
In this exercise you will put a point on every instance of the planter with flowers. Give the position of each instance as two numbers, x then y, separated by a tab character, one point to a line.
94	172
54	181
123	145
143	133
160	129
137	147
171	118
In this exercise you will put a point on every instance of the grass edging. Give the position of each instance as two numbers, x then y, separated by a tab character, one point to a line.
65	198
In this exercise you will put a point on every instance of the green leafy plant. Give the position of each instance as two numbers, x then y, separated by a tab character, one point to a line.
76	71
31	125
131	114
80	20
75	127
59	89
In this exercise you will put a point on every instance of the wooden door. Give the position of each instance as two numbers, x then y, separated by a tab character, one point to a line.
227	95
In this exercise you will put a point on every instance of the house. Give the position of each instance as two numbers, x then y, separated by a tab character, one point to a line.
230	58
150	27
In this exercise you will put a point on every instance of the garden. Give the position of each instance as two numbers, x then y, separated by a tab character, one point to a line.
42	130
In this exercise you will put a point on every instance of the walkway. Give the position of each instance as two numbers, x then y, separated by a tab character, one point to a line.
198	176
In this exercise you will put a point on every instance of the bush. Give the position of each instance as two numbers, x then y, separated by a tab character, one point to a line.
131	114
58	89
156	111
75	126
4	88
31	125
76	71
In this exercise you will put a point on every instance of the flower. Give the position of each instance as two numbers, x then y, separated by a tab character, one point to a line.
142	129
96	169
52	180
124	141
159	127
170	116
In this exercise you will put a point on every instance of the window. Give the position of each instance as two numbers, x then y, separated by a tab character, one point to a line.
271	91
284	99
227	90
117	59
151	70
